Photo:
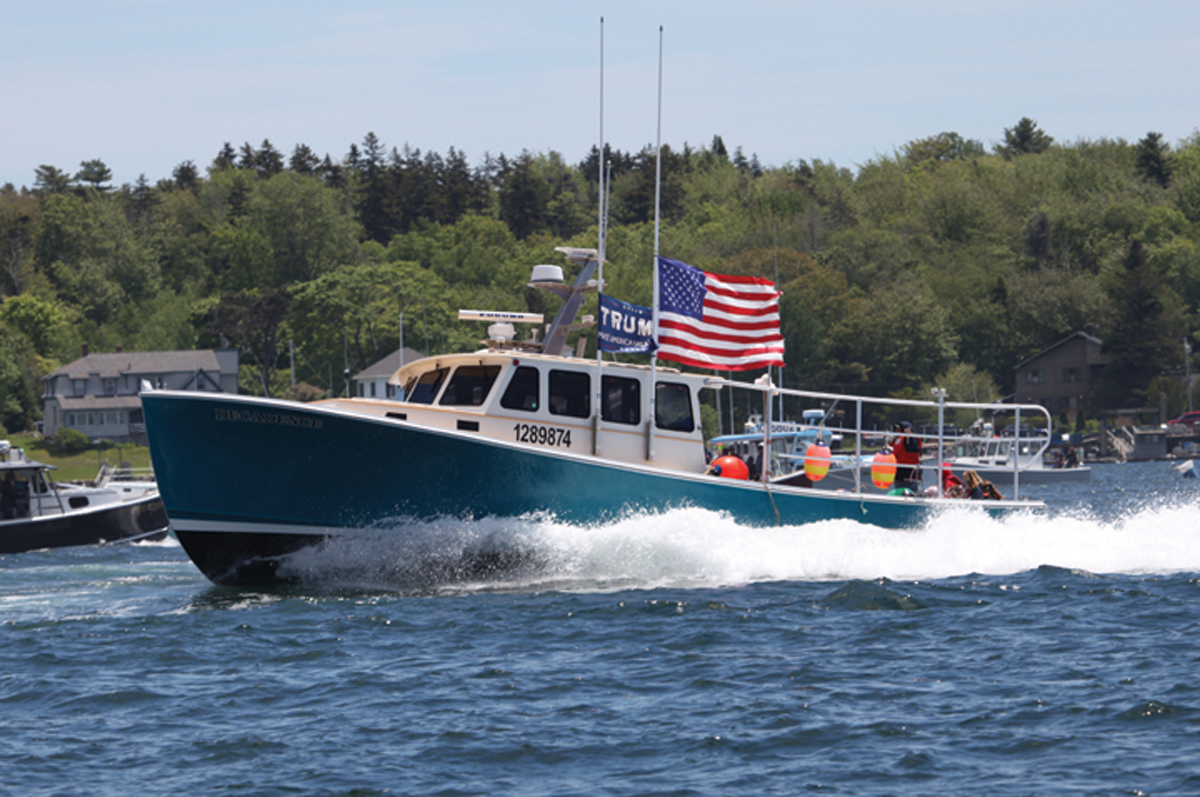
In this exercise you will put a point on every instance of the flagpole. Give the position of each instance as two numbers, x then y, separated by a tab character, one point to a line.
657	205
602	209
399	392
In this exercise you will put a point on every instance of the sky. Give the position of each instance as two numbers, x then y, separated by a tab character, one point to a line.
145	85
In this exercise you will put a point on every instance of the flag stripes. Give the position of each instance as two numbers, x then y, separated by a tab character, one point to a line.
728	323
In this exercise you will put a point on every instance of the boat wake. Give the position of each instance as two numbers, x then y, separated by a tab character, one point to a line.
694	548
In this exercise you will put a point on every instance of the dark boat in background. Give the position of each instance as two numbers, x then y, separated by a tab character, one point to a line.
36	512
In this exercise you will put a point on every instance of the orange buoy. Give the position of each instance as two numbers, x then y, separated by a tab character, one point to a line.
816	461
730	467
883	469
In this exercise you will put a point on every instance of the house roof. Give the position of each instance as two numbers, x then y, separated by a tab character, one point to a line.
1086	337
73	403
114	364
388	365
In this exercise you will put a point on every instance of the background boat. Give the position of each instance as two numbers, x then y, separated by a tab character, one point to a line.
45	514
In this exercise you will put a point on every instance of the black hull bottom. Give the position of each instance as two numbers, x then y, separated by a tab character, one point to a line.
144	519
243	559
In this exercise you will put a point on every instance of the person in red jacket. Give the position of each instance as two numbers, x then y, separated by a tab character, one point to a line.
906	447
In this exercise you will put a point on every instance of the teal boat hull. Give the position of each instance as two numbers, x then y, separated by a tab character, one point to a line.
247	481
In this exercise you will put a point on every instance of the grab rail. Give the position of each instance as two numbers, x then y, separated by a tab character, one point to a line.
771	391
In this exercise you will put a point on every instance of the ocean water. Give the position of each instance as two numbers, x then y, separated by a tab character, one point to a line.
672	655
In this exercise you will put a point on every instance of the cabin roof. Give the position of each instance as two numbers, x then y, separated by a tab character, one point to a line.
492	357
25	464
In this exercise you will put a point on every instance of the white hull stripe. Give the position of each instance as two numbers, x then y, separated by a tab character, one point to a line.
253	527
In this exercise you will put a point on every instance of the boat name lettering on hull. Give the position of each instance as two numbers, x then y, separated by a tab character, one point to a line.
542	435
248	416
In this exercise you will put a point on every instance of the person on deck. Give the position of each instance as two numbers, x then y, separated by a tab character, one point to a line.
8	497
952	486
1071	458
906	447
976	487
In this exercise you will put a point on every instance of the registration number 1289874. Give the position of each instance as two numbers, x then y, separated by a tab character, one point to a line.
542	435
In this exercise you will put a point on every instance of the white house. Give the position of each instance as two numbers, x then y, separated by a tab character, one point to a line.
98	393
372	381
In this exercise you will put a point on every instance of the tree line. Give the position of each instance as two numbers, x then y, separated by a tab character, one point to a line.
945	262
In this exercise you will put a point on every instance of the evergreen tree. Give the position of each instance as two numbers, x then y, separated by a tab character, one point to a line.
739	160
371	200
49	180
1024	138
186	176
521	200
1039	239
1154	159
226	159
304	161
332	174
464	192
141	199
247	157
1144	336
268	161
95	173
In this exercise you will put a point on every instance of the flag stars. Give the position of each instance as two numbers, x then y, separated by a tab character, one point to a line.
682	288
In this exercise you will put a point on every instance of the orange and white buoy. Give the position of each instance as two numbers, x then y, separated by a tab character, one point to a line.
883	469
816	461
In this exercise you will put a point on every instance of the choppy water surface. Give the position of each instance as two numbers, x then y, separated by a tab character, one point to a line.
677	655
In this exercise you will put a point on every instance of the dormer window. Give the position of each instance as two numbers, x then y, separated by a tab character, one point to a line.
110	387
80	387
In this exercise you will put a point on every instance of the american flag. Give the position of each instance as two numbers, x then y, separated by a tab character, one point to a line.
717	321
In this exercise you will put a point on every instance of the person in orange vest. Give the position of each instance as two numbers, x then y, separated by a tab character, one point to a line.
906	447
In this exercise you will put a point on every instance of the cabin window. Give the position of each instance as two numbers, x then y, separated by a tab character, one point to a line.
673	407
621	400
523	389
470	385
1070	375
424	388
570	393
1036	376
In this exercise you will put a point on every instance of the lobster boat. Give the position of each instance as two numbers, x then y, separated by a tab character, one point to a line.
518	428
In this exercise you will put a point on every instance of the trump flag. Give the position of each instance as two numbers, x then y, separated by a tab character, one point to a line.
715	321
625	327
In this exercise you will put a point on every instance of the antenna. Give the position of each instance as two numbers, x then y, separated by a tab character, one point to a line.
657	207
600	158
602	234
